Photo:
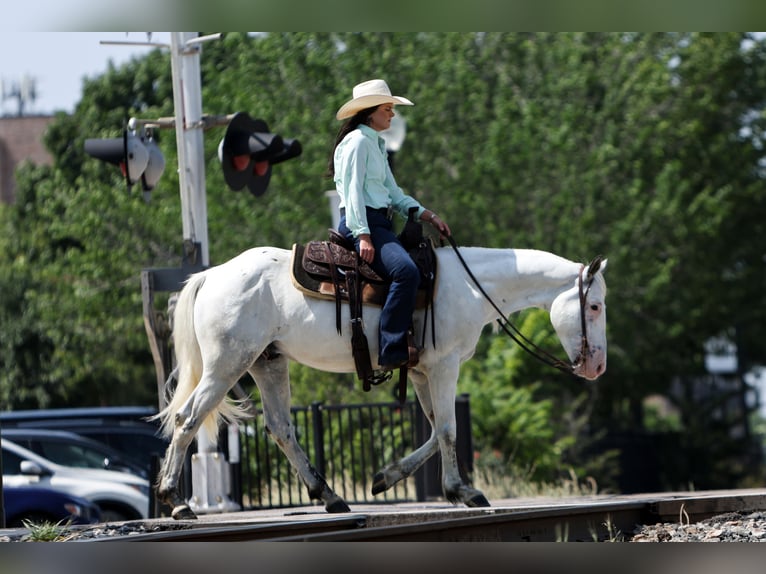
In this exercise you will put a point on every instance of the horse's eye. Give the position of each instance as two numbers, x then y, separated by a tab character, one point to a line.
594	307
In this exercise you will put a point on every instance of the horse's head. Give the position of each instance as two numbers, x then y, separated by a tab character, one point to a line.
579	317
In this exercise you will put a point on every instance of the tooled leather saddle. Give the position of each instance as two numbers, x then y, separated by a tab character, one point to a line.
333	270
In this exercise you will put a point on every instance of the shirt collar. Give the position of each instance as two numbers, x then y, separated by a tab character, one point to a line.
373	135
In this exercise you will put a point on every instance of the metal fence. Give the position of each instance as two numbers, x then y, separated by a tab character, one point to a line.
348	444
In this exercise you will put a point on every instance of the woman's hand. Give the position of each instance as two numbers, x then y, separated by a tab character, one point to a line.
366	249
439	224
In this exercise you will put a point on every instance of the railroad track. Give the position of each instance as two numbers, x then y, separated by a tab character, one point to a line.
579	519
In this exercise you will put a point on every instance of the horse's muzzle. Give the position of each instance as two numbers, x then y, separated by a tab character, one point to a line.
592	366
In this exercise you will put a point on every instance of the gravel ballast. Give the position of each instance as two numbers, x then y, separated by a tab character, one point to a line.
730	527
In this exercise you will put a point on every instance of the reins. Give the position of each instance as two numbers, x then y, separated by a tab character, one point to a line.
513	332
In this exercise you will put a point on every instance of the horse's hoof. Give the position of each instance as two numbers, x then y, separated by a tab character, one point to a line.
183	512
378	483
477	501
337	507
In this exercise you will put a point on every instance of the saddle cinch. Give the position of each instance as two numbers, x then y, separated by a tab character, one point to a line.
333	270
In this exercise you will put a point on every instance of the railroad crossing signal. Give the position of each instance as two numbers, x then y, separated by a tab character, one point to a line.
137	155
249	149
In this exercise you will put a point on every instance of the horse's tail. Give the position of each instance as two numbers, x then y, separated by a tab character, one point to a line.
189	361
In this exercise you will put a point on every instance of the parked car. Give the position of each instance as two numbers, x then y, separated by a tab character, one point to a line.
119	495
125	429
39	505
71	449
93	414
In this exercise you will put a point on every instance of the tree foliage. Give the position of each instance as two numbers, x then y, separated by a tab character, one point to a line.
647	148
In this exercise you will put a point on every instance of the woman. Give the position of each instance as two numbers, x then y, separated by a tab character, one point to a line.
368	196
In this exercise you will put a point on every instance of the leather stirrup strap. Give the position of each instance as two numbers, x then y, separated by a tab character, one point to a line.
336	283
412	360
402	386
359	346
430	305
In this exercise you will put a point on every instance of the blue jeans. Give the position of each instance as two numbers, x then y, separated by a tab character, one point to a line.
392	262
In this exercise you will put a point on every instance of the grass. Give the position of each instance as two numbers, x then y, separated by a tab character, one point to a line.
614	534
513	484
494	481
47	531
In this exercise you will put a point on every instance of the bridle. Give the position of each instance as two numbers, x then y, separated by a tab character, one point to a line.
513	332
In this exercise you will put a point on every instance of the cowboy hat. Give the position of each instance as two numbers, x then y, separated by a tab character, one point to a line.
367	95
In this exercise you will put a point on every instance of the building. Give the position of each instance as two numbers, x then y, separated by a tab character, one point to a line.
21	139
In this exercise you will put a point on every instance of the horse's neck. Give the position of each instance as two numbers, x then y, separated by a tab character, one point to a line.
520	278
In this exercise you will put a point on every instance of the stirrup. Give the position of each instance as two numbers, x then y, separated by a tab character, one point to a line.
379	377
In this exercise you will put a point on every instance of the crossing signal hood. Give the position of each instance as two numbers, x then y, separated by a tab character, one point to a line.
249	150
138	157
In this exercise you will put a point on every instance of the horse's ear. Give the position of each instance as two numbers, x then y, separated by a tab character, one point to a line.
598	264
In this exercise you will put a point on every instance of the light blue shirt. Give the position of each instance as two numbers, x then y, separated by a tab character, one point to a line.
363	179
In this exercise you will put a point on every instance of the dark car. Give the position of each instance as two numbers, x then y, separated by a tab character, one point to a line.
72	449
39	505
124	429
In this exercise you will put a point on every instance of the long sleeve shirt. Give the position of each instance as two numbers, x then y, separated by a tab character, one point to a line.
363	179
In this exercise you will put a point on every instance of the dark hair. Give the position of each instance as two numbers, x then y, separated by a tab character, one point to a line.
349	125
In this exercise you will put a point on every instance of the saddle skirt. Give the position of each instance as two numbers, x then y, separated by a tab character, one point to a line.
312	274
319	256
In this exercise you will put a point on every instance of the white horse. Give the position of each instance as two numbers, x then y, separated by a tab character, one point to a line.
246	315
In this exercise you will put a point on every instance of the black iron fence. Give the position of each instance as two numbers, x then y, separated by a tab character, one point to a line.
348	444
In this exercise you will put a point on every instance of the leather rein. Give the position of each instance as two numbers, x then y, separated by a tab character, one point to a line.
513	332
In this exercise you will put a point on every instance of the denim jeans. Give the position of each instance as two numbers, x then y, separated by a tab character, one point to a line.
392	262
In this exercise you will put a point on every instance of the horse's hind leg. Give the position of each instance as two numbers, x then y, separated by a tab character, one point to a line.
168	489
208	394
272	378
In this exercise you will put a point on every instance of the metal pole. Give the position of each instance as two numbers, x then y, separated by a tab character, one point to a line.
210	472
318	427
187	100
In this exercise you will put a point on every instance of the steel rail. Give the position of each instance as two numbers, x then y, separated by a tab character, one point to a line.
587	521
238	532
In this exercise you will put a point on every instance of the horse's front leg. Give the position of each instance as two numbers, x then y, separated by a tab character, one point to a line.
272	378
443	385
400	469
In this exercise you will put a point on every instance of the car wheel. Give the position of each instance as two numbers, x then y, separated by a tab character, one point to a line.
114	515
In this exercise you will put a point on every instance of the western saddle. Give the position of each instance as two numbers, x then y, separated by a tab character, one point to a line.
333	270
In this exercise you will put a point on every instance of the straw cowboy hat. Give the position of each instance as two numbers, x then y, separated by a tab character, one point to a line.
368	95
